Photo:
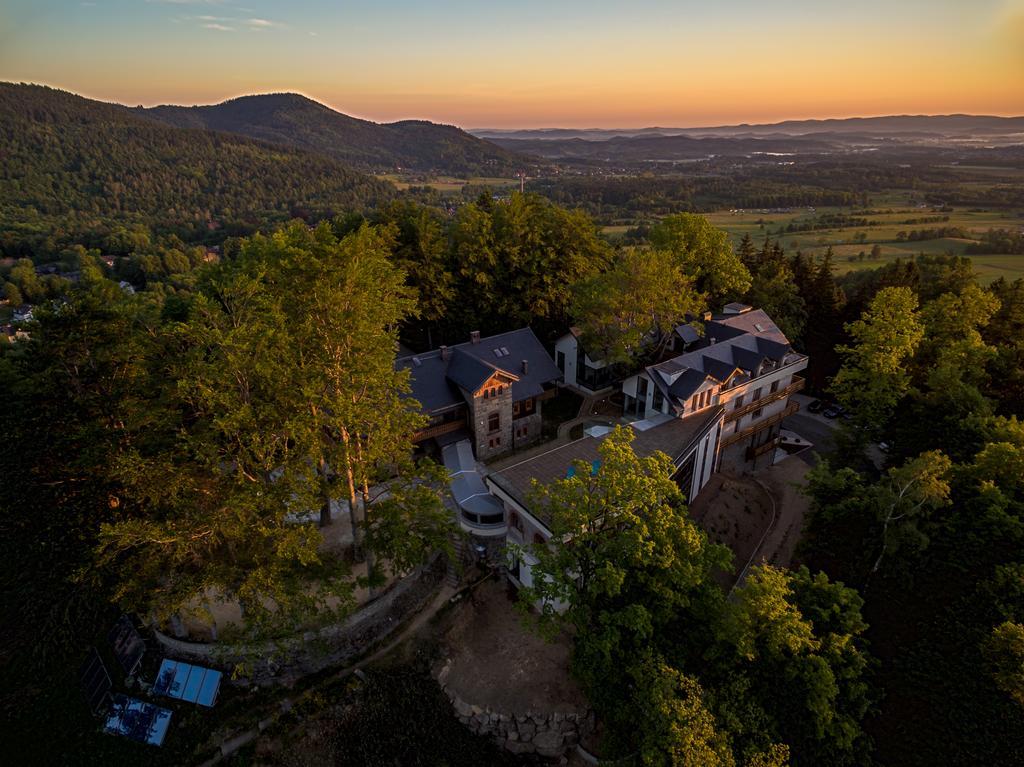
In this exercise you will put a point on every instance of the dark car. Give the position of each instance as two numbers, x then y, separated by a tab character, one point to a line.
835	411
816	407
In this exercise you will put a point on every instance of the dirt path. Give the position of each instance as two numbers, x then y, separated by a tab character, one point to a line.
782	481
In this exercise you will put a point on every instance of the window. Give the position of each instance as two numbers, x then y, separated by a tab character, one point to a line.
757	414
775	387
739	402
529	405
757	395
516	522
515	408
538	538
560	361
494	422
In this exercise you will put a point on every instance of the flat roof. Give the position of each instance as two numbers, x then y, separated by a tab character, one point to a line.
672	438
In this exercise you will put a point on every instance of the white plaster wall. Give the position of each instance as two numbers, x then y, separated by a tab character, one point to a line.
568	345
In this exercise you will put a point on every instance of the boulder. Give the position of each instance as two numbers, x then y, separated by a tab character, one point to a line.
549	743
517	747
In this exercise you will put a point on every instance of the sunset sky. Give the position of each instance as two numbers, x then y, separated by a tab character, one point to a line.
534	63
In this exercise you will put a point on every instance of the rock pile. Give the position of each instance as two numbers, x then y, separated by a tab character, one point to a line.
548	734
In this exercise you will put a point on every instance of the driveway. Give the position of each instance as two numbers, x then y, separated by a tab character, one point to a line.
814	427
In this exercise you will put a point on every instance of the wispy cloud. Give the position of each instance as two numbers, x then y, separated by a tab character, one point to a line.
262	24
219	27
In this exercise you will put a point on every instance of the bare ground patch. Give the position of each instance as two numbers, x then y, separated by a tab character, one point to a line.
735	511
500	663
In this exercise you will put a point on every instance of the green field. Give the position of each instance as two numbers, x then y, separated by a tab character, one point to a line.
447	184
884	233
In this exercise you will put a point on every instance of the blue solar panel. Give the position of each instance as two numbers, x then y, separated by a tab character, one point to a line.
195	681
211	686
595	467
138	720
571	472
193	684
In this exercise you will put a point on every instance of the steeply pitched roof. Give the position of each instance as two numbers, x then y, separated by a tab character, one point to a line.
734	348
688	333
756	322
469	372
435	381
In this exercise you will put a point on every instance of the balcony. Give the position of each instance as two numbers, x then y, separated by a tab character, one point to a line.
756	452
797	385
761	425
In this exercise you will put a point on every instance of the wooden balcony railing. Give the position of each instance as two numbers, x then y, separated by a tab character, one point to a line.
755	452
438	429
795	386
760	425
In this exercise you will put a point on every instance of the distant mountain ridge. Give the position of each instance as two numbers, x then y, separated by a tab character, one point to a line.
943	125
294	120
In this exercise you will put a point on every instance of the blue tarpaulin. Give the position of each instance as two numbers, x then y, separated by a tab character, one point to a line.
193	684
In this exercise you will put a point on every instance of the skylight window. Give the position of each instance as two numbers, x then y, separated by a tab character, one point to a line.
501	352
759	326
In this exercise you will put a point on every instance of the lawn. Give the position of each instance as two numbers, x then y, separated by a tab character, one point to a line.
447	184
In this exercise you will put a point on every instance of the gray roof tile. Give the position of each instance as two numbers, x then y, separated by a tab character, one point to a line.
435	381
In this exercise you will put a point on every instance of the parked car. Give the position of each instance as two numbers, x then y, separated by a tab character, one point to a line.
816	407
834	411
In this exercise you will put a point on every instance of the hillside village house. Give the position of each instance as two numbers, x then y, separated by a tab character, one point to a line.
589	376
719	404
488	390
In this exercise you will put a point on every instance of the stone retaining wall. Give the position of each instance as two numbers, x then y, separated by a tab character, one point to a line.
548	734
292	658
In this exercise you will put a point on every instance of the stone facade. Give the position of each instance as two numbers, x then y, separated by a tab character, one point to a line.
498	401
547	734
526	429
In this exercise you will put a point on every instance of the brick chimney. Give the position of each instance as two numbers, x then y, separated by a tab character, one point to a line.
445	354
526	367
474	336
707	316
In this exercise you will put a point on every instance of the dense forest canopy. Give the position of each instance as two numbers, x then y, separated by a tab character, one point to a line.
76	171
289	119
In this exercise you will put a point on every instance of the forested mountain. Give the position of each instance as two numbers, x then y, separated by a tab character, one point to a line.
72	165
294	120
